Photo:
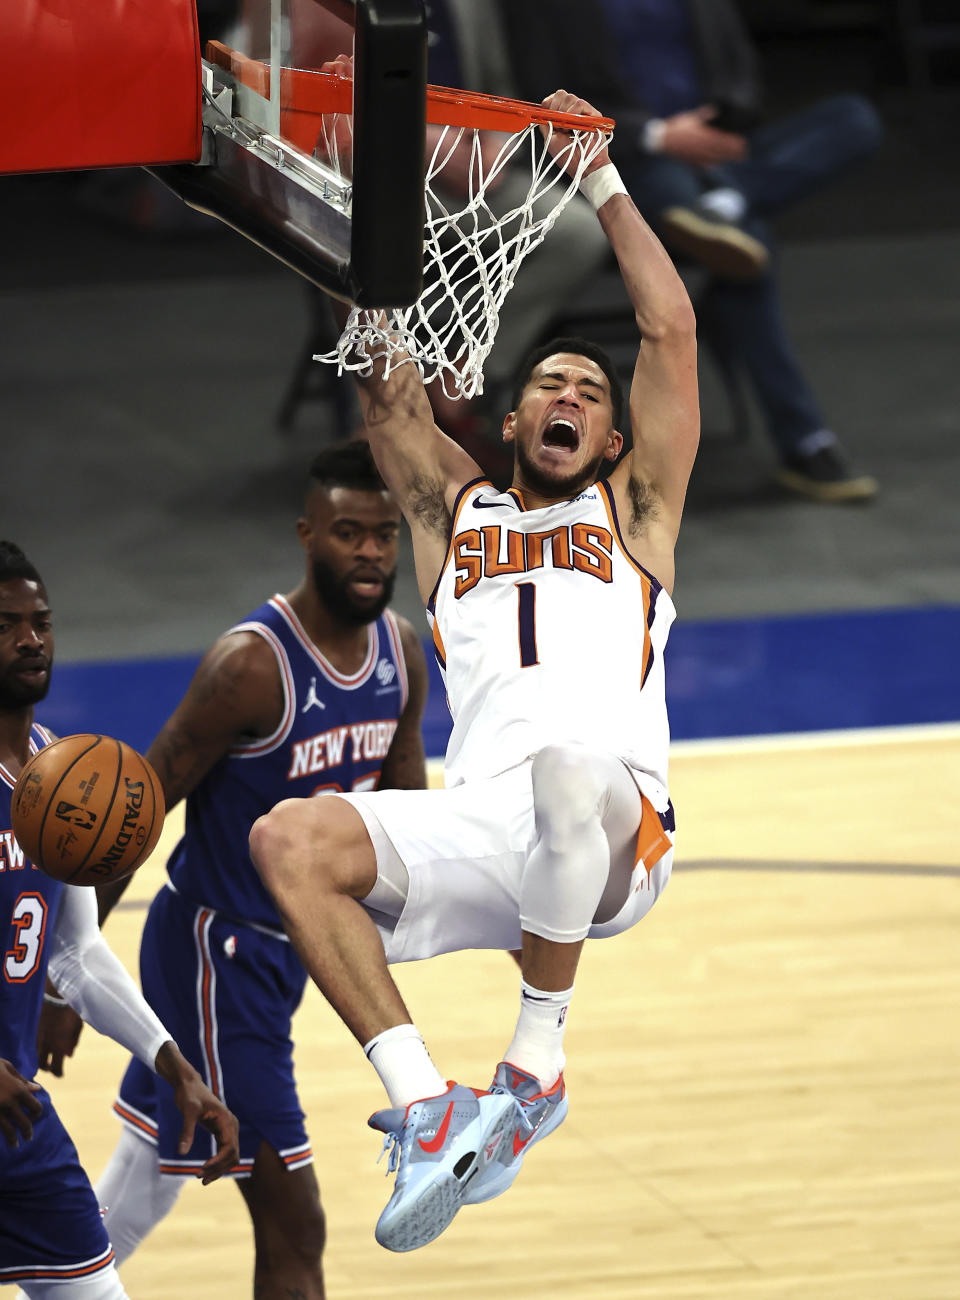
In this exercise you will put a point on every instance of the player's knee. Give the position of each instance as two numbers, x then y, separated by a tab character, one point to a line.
286	837
271	839
566	788
314	840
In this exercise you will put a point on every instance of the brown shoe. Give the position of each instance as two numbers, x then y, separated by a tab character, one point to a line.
825	476
721	246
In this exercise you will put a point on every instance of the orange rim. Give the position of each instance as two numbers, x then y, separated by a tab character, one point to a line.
306	92
494	113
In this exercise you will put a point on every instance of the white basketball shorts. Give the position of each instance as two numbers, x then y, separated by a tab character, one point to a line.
464	850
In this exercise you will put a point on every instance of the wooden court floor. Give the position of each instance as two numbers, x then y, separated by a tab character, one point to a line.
763	1075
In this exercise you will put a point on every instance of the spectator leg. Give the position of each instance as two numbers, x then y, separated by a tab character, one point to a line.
747	330
794	156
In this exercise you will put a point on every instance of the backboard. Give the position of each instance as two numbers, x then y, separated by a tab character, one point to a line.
261	171
94	86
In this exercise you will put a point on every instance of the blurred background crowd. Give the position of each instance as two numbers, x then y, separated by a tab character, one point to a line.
799	159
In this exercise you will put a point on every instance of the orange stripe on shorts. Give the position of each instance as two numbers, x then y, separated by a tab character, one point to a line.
652	840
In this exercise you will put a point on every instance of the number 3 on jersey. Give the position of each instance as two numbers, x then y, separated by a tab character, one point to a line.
29	920
527	623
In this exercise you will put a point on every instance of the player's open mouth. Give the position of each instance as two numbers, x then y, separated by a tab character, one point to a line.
561	435
367	588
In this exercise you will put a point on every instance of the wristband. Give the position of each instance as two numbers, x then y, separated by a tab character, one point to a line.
55	1000
602	184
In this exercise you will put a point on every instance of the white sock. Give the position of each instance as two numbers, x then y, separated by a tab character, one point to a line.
725	202
134	1194
537	1045
400	1057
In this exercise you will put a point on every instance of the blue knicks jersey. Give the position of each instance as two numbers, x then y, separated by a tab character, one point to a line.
333	737
28	910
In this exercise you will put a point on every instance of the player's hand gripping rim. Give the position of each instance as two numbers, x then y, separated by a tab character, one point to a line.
199	1105
557	138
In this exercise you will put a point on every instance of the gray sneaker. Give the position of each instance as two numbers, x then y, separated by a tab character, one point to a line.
536	1114
437	1146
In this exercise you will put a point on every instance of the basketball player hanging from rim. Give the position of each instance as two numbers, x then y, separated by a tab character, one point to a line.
550	605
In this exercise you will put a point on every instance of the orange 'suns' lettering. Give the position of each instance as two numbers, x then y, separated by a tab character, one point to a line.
491	544
479	553
559	549
593	551
468	554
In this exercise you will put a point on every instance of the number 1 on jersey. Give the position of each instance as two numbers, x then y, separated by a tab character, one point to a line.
527	623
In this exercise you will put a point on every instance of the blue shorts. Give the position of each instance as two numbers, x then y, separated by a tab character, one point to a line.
227	993
51	1228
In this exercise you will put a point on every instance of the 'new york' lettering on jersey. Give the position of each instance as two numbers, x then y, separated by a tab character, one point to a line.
28	909
546	630
335	733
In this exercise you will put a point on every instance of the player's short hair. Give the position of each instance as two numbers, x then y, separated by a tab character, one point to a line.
347	465
579	347
14	564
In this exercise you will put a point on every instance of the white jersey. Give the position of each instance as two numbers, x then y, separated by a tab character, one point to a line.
547	630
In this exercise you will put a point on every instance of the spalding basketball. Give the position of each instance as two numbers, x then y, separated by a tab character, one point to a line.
87	809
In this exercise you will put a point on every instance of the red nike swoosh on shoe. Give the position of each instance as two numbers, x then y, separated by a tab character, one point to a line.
437	1142
519	1143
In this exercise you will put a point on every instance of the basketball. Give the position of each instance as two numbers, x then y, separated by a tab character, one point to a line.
87	809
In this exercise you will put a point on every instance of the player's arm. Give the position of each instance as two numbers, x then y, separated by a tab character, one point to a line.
95	983
59	1026
405	766
650	482
58	1031
422	467
236	694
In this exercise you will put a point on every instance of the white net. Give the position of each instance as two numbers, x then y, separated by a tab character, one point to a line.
473	247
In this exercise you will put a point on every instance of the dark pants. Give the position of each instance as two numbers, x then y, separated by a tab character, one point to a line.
789	159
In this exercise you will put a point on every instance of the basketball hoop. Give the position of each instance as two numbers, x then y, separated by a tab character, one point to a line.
471	251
